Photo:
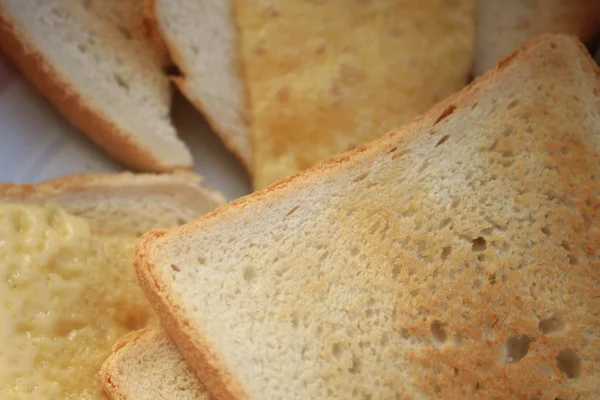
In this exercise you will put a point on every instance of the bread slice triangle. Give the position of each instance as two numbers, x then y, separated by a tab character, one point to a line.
453	258
68	288
201	39
503	26
93	62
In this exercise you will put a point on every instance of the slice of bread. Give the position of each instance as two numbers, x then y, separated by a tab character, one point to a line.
200	36
92	61
454	258
502	26
147	365
68	288
320	77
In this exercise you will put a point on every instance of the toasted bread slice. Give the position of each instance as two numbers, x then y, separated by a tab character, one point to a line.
68	288
502	26
92	61
147	365
288	84
453	258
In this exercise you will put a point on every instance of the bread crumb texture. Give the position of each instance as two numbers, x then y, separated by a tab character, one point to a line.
324	77
66	295
457	258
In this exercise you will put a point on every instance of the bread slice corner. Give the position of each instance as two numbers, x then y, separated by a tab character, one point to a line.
201	39
94	65
146	365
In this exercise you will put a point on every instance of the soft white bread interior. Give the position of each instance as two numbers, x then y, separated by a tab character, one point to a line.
147	365
68	288
502	26
454	258
201	38
91	59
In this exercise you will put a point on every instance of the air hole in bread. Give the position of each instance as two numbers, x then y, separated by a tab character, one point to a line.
293	210
515	348
442	140
572	259
545	230
446	251
361	177
175	268
395	271
336	350
481	257
447	112
445	223
492	279
295	320
479	244
125	32
512	104
569	362
555	323
249	274
438	332
356	365
201	260
121	82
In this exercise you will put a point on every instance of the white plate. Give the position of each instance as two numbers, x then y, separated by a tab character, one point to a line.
36	143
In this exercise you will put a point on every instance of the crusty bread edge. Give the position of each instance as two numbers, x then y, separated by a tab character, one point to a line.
111	385
107	181
196	101
120	145
149	258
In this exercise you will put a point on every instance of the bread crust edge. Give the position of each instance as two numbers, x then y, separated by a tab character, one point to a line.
120	145
181	84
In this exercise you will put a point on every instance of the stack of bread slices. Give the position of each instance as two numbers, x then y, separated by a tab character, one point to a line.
285	84
454	258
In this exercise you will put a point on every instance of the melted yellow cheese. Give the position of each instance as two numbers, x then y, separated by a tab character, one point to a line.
66	295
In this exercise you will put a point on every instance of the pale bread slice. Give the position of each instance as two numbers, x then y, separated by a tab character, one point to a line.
105	213
147	365
201	38
92	61
454	258
503	26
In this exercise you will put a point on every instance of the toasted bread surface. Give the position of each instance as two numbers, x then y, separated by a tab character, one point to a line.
453	258
503	26
324	77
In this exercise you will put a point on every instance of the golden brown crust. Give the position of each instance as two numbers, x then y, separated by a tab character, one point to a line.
207	363
120	145
113	390
81	182
195	346
181	83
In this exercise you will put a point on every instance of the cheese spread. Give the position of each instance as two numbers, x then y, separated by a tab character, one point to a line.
66	295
